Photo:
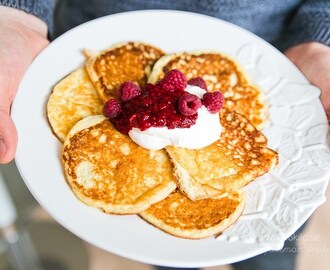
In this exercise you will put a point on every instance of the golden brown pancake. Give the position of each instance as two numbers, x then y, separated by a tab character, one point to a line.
72	99
132	61
106	169
221	73
182	217
237	158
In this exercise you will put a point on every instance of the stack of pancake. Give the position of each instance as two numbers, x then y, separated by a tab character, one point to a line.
187	193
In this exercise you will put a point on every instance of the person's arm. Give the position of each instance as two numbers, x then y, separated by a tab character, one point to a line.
23	36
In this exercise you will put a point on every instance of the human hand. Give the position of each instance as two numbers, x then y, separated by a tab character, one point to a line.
23	36
313	59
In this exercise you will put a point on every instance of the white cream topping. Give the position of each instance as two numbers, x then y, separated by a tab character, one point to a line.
204	132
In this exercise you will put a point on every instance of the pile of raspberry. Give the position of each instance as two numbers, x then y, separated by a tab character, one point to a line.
164	104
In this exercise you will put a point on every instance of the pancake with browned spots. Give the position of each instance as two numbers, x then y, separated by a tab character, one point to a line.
106	169
185	218
237	158
72	99
221	73
132	61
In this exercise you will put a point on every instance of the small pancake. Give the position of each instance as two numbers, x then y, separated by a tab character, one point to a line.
237	158
179	216
106	169
72	99
132	61
220	73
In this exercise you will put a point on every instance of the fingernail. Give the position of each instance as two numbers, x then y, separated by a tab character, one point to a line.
3	148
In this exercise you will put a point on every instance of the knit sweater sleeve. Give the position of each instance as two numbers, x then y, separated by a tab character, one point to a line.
40	8
311	22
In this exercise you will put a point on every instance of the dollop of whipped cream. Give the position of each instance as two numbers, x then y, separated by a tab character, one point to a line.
204	132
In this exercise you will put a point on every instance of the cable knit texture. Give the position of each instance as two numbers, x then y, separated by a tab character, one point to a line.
282	23
311	22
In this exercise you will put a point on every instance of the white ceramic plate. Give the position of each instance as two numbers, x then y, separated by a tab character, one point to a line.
278	203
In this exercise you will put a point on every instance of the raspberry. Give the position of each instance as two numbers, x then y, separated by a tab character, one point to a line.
189	104
173	80
198	81
213	101
128	90
149	87
112	108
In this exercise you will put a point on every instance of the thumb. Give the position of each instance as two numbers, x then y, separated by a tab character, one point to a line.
23	36
8	137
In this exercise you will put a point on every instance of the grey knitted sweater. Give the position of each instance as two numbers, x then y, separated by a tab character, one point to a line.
283	23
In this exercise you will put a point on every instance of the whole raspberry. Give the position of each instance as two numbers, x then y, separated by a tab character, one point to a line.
189	104
128	90
112	108
174	80
198	81
213	101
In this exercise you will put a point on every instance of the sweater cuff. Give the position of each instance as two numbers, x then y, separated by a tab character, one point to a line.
307	28
43	9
